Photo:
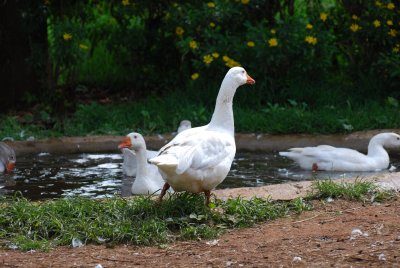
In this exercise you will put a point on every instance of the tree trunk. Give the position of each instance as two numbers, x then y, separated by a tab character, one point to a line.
23	34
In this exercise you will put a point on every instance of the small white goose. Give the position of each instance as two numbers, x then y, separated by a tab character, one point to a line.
129	164
198	159
326	157
183	125
7	157
148	178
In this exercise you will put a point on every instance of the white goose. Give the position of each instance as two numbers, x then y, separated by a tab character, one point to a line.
148	178
129	164
325	157
184	124
198	159
7	158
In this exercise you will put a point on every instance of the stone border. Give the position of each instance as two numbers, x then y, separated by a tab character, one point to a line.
244	142
292	190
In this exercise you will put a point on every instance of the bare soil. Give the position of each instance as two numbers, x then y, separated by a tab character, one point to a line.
335	234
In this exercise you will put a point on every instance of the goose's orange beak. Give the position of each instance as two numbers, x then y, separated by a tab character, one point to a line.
126	143
10	167
250	80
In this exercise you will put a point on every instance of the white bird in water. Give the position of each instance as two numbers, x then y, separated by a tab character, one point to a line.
129	165
326	157
148	179
7	157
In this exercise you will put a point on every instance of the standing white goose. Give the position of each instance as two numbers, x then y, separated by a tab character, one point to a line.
129	164
7	158
148	178
198	159
325	157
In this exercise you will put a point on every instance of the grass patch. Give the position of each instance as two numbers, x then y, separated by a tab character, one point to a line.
41	225
30	225
154	115
359	190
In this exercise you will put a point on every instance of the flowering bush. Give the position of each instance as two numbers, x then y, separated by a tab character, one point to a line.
187	44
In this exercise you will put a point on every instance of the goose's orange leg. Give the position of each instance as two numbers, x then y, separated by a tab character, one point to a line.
208	195
163	191
314	167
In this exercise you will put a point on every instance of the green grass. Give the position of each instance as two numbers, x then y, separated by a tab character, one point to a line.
30	225
162	114
41	225
359	190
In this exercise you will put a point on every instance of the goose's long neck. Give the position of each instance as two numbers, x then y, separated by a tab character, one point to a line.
223	113
141	160
376	150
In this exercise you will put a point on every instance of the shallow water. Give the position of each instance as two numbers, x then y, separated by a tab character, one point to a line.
45	176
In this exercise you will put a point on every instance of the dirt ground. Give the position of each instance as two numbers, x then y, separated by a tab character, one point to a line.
334	234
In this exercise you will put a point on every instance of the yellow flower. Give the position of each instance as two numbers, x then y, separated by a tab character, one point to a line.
245	2
354	17
355	27
323	16
389	22
125	2
211	4
83	46
309	26
273	31
195	76
46	2
273	42
311	40
212	24
390	6
215	55
396	50
392	33
230	62
67	36
179	31
193	44
251	44
207	59
377	23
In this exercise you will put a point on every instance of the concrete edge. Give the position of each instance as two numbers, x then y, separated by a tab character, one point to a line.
244	142
292	190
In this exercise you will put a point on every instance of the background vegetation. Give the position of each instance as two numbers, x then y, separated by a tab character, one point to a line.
96	67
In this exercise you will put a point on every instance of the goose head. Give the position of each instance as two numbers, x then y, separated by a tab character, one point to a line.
390	140
240	76
133	141
7	157
185	124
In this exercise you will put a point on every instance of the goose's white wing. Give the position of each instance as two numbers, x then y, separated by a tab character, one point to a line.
196	149
331	154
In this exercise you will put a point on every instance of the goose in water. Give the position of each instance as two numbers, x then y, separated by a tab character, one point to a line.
129	158
185	124
198	159
326	157
148	179
7	157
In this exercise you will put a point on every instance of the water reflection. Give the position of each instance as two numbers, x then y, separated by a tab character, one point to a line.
100	175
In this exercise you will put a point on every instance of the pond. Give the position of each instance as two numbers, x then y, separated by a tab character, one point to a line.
44	176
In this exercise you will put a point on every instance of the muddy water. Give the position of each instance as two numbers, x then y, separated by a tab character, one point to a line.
43	176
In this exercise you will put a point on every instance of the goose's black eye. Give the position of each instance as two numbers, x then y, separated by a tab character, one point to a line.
135	137
398	138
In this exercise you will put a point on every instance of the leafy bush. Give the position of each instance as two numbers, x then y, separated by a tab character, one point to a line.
190	44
